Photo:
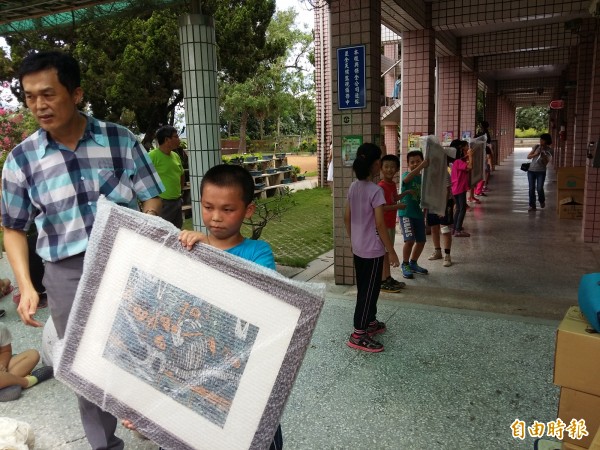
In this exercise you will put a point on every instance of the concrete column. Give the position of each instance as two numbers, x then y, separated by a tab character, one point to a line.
468	103
418	86
449	96
491	115
323	84
201	101
353	23
591	207
585	56
569	117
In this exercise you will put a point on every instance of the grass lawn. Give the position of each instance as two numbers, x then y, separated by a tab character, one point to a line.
303	233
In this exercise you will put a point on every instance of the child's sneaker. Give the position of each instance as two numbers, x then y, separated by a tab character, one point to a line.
437	254
387	287
406	272
378	328
365	343
396	283
417	268
447	261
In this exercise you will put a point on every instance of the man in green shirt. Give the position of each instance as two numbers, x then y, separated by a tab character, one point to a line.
170	170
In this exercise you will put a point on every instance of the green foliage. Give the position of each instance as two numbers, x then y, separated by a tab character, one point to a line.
275	99
528	133
535	117
131	62
309	145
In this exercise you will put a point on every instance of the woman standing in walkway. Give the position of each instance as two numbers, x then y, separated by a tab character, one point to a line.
536	175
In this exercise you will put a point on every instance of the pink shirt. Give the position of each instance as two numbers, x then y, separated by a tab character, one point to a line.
363	197
460	177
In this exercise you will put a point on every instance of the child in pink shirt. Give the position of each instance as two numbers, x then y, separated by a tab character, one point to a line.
459	177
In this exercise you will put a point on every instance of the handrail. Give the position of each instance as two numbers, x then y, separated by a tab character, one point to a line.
394	65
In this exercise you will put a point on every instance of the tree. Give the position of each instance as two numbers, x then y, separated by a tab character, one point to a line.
277	89
131	69
535	117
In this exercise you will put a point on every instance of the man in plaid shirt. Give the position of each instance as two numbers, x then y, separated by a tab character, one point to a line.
54	178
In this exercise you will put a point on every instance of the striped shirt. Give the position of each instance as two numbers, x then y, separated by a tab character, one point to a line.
58	188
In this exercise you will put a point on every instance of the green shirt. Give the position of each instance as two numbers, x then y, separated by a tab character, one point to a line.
170	171
412	202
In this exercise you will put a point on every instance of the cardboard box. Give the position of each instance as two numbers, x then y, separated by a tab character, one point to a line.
579	405
570	195
577	355
570	212
570	178
569	446
595	445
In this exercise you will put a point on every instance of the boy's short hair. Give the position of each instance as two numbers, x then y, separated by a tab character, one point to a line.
390	157
67	67
412	153
230	175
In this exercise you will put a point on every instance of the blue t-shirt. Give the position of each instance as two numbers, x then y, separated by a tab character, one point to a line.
258	252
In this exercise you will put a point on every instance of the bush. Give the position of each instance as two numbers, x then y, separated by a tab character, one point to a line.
308	146
528	133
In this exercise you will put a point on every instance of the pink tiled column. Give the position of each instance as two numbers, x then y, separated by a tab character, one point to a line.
418	86
449	96
468	102
323	91
591	207
585	66
353	22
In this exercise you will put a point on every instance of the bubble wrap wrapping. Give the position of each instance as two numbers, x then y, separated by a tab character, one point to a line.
478	170
434	188
198	348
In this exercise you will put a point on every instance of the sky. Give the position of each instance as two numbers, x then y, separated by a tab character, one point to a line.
304	15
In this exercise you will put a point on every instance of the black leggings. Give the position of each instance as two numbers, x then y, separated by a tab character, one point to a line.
368	282
460	210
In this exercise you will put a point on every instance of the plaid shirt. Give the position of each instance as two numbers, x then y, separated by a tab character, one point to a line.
59	188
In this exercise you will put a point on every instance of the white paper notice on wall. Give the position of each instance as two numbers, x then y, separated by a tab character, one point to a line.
198	348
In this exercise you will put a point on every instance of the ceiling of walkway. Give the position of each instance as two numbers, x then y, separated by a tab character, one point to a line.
518	48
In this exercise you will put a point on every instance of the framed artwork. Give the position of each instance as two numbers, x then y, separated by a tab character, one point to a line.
198	348
478	170
434	189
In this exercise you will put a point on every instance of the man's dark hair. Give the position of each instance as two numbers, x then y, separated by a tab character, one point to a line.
230	175
164	132
391	157
66	66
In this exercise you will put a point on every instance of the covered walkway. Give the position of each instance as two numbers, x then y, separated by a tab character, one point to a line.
469	348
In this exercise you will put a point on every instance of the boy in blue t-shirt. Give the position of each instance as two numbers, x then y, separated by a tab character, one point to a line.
227	198
412	221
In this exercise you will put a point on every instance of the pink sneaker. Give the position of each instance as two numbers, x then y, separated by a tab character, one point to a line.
462	233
